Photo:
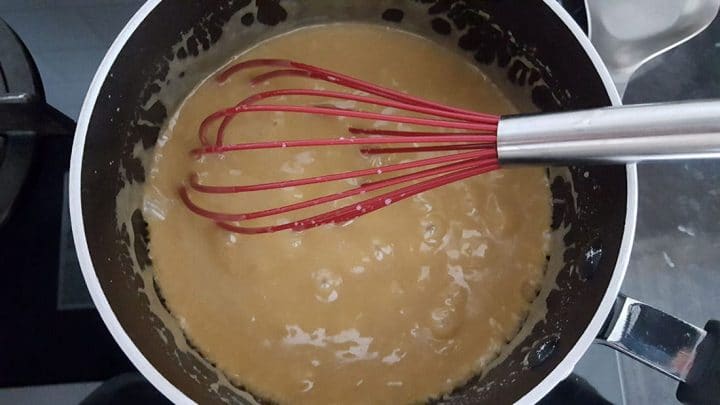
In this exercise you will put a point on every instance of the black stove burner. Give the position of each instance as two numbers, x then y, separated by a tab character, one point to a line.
50	331
19	81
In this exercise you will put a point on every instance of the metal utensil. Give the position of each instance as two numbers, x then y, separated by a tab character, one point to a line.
627	34
476	142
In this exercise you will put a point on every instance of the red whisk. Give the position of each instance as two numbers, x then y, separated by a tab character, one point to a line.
474	141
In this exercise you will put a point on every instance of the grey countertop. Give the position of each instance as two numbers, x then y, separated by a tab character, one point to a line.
677	247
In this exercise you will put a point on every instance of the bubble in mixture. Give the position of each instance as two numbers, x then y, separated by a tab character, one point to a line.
326	285
446	319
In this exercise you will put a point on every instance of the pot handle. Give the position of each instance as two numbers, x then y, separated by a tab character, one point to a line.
672	346
628	33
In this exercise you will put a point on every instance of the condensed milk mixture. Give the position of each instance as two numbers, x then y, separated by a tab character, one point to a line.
399	306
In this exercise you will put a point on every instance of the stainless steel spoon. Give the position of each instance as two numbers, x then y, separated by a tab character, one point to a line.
627	33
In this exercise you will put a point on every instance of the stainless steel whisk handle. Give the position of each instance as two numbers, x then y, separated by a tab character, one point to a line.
626	134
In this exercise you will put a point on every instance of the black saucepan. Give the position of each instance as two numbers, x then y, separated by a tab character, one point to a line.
532	49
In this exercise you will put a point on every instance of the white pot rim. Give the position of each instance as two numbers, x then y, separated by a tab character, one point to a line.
173	393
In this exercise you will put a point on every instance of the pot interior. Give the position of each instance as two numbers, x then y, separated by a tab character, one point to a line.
523	46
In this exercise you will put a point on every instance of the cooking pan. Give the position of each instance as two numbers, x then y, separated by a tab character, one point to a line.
532	49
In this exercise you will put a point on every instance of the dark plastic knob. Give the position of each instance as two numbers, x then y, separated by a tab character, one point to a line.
703	382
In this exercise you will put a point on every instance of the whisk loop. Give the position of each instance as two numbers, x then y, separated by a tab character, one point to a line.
471	134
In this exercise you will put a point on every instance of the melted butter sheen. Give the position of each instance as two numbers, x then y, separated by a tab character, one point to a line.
398	306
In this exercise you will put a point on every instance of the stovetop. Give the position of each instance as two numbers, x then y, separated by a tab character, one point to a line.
51	333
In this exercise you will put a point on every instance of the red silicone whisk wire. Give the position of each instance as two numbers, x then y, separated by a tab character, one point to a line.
472	135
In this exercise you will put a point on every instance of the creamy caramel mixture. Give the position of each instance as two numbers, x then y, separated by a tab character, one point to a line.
398	306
